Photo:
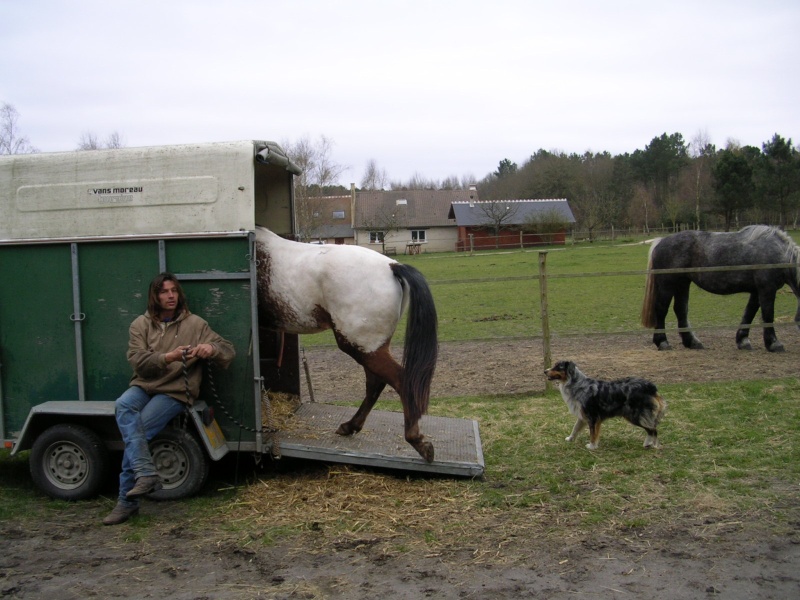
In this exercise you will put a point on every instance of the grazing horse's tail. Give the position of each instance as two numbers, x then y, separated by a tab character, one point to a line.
421	344
649	303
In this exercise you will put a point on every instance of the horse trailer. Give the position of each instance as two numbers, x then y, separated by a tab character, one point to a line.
81	236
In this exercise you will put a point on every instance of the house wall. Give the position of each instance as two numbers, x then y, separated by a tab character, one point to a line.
438	239
483	239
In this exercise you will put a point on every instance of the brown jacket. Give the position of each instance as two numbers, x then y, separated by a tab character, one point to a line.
150	341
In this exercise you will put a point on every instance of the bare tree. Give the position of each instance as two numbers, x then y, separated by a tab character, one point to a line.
90	141
375	178
495	215
386	222
318	171
115	140
702	152
11	142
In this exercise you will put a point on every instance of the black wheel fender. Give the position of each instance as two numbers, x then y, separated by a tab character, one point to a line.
181	463
69	462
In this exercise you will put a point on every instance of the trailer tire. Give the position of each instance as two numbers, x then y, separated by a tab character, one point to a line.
68	462
180	462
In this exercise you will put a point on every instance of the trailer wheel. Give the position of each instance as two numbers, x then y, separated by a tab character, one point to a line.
181	464
68	462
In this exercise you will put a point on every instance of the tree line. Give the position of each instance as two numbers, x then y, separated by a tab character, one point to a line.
668	183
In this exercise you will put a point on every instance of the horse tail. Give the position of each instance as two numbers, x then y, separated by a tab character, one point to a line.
649	303
421	345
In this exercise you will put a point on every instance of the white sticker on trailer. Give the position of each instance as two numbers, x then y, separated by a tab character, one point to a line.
101	195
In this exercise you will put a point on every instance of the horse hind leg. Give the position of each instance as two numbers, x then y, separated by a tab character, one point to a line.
375	386
743	333
416	439
681	309
771	342
381	369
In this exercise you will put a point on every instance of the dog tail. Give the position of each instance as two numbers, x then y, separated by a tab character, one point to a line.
661	407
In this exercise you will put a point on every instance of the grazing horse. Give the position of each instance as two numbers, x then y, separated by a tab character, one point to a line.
361	295
753	245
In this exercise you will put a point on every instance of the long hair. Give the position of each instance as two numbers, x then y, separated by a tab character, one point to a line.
421	343
649	303
153	307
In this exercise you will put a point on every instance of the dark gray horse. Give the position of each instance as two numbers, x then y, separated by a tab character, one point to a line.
754	245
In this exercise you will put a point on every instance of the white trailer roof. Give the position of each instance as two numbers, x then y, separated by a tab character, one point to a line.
190	188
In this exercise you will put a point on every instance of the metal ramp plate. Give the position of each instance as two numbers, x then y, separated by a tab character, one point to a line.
311	435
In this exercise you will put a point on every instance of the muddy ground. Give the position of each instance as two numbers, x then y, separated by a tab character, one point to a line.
168	553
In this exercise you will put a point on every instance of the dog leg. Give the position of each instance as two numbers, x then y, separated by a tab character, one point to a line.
594	436
651	441
579	425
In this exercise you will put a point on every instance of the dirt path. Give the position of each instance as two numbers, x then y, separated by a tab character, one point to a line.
67	554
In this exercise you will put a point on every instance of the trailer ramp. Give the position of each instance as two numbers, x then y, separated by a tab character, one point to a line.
311	435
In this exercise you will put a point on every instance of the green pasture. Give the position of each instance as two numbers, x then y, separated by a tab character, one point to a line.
591	288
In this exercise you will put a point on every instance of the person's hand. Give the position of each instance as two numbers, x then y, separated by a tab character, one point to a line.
201	351
177	354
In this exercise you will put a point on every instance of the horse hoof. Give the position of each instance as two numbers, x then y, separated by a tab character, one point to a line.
425	450
776	347
346	429
744	345
696	345
664	346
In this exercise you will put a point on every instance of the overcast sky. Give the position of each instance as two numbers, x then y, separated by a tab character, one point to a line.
436	88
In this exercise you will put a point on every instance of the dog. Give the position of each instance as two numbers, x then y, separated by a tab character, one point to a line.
592	401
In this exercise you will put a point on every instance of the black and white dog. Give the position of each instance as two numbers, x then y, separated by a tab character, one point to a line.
592	401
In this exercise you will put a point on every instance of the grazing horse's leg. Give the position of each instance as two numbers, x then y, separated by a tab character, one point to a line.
662	302
767	299
743	333
681	309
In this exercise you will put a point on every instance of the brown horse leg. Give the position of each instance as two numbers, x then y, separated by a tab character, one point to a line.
417	440
382	369
374	388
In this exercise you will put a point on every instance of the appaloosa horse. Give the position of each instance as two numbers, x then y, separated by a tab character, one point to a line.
361	295
755	245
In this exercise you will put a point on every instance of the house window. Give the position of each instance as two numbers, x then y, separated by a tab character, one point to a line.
418	236
375	237
338	214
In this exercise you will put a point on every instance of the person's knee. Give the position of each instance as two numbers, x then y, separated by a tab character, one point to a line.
129	401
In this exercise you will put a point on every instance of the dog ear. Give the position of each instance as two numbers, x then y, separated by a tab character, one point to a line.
570	368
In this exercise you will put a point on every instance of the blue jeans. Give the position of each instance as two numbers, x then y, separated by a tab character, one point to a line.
140	417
